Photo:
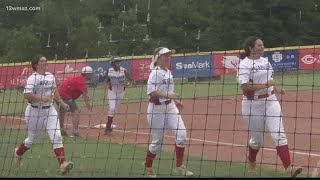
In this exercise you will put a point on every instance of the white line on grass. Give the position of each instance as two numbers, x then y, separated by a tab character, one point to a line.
192	139
208	141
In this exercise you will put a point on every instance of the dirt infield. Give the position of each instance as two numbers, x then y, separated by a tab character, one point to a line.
216	130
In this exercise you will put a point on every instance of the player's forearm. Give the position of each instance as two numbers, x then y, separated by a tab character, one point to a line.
128	76
33	97
163	95
86	100
254	87
58	98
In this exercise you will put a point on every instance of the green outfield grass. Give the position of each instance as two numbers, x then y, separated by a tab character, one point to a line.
14	104
98	158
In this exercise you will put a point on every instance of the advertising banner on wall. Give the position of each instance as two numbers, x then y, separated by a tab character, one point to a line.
14	76
284	60
226	63
192	66
140	69
63	70
309	59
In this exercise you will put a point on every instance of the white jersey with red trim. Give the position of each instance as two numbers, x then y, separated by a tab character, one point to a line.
117	79
258	71
41	85
160	80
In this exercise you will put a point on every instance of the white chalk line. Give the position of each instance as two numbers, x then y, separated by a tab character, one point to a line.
192	139
214	142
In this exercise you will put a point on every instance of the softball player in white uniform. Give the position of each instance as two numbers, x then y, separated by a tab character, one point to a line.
40	112
260	106
163	112
116	77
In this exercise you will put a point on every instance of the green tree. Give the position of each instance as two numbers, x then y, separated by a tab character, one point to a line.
22	45
3	41
53	20
88	40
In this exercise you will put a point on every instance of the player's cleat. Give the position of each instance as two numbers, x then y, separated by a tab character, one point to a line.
182	170
66	167
17	158
149	171
252	168
293	172
108	131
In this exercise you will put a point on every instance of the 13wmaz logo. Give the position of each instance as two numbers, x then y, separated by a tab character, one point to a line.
308	59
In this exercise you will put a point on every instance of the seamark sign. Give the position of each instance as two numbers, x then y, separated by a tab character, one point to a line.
192	66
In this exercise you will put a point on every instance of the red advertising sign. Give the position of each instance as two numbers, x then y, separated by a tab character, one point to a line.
140	69
14	76
226	63
64	70
309	59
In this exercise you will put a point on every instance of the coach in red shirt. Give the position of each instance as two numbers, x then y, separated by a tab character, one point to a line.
70	90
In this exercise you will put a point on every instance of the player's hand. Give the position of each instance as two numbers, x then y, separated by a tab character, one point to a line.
65	106
280	91
179	105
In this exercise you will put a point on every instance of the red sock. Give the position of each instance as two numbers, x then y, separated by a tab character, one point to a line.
179	155
149	159
283	153
110	118
253	154
60	155
22	149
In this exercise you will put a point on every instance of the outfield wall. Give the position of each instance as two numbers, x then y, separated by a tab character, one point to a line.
192	65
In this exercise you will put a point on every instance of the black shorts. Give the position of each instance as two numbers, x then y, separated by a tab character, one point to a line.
72	104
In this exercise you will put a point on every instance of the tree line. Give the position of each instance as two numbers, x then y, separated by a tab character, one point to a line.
73	29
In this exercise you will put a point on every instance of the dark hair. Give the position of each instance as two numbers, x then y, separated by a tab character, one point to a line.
35	61
249	42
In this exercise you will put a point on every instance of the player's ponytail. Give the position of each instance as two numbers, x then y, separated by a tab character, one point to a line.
249	42
155	57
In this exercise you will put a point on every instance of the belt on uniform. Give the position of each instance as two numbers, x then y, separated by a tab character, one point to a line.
166	102
41	107
162	103
260	96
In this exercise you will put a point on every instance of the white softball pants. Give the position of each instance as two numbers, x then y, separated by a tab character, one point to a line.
37	119
263	112
161	117
115	99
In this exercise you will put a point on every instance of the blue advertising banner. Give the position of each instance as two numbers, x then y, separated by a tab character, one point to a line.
100	67
285	60
192	66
